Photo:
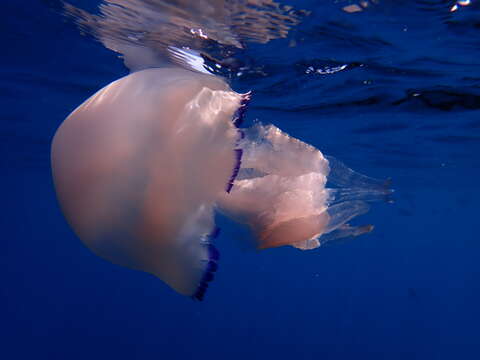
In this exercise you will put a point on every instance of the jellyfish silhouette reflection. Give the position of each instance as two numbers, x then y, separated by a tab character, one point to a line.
141	167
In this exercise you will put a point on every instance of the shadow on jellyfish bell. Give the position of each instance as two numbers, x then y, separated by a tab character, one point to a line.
142	165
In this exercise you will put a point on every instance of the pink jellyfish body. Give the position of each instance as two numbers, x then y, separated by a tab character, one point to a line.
141	166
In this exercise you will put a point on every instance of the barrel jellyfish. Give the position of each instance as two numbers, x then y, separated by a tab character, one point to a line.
141	167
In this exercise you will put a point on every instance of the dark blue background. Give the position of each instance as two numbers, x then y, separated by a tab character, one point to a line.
406	107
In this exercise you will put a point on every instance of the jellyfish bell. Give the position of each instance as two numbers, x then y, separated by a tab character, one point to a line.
138	166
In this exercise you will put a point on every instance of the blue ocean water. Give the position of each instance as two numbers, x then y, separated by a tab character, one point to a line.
392	90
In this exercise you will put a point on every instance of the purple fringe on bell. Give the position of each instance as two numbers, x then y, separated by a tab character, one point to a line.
211	267
209	273
236	169
240	113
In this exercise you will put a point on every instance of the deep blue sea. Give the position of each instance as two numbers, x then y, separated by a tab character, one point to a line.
392	90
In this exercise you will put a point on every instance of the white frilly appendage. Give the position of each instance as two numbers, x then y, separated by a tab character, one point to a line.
281	192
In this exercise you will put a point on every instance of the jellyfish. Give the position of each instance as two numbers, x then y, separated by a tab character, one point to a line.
141	167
